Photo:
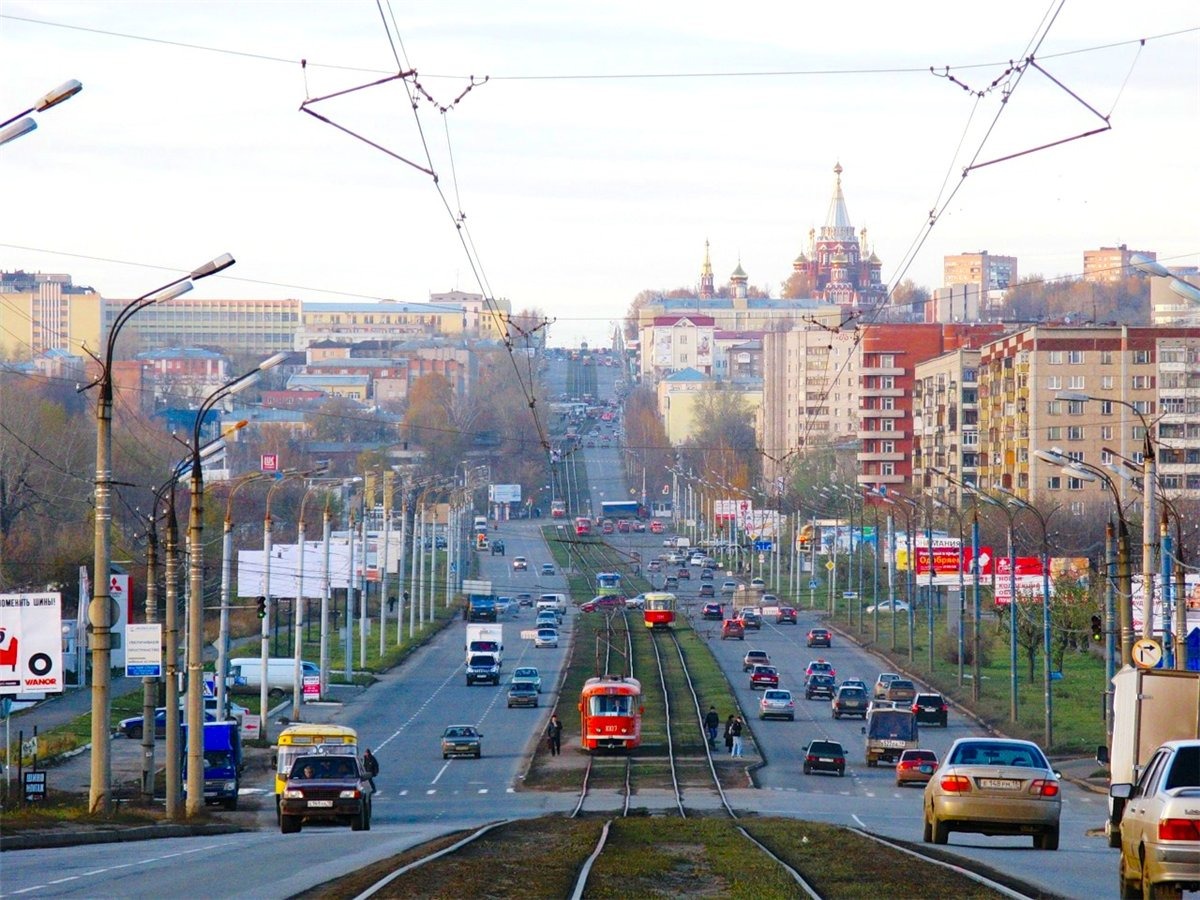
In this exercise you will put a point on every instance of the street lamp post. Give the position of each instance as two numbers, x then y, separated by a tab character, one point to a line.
195	636
962	588
11	129
100	614
1009	514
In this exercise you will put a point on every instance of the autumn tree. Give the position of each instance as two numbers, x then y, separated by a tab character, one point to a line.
909	293
527	328
345	419
646	439
430	423
799	286
723	444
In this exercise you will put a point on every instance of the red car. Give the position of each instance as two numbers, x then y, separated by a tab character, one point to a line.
684	574
785	614
606	528
656	527
764	677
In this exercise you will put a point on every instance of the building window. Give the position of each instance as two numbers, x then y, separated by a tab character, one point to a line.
1142	382
683	339
1054	433
1141	357
1105	457
1075	455
1106	407
1172	482
887	468
1054	483
1075	383
1075	357
1106	357
1139	433
1106	433
1074	484
1075	408
1074	432
1056	357
1054	407
1077	507
1106	382
1145	407
1054	383
886	361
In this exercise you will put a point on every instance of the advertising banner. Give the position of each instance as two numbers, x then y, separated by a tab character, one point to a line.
945	560
31	643
143	651
504	493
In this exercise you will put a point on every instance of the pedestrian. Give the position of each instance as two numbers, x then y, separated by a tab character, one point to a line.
711	723
371	767
729	735
736	730
554	734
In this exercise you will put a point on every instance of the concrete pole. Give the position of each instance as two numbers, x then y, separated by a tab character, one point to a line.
1165	543
929	598
421	568
222	668
1149	523
326	585
150	685
298	625
171	614
364	615
414	600
195	643
100	607
264	653
1012	620
401	567
383	561
976	637
1110	626
891	578
351	587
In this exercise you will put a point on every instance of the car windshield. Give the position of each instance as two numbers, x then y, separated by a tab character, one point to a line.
327	767
460	732
829	748
853	693
777	695
994	753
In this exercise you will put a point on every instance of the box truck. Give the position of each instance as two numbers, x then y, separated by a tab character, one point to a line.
487	639
223	762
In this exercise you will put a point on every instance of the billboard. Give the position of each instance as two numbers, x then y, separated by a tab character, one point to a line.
31	643
504	493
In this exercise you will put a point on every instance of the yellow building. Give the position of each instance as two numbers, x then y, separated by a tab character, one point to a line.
42	312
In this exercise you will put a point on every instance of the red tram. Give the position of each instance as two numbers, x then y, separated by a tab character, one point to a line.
659	610
610	713
583	526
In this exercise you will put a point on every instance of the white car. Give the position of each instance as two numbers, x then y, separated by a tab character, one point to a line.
638	602
546	637
886	606
528	673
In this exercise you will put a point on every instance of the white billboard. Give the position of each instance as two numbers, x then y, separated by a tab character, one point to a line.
504	493
31	643
285	569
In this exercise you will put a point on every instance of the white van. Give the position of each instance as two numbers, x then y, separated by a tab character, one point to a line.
247	671
481	525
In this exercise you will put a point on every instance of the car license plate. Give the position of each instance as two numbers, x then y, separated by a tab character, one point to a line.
1000	784
827	759
321	804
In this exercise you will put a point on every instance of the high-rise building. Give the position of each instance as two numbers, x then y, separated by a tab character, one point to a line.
1111	263
987	271
42	312
946	423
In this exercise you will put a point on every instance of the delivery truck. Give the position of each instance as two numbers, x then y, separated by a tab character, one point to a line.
486	639
223	762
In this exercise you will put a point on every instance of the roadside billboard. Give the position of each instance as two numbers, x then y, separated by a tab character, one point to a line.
504	493
31	643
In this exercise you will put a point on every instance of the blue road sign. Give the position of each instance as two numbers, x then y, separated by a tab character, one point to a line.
762	546
812	584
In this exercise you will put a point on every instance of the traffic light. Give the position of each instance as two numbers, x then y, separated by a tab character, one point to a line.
262	607
1097	629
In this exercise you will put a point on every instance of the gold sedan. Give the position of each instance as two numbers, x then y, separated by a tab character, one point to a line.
994	786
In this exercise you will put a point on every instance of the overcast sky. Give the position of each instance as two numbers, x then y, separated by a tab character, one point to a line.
610	141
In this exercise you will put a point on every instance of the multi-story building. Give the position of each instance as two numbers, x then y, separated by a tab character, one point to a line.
1120	368
887	375
41	312
1178	423
674	343
1168	307
987	271
810	393
946	423
1111	263
253	327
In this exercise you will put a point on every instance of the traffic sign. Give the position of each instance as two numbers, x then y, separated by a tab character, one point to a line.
829	565
849	595
1147	653
812	584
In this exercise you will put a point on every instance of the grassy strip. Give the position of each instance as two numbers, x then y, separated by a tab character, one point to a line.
78	732
62	810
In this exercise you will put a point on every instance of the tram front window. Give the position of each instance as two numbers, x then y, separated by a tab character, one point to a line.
610	705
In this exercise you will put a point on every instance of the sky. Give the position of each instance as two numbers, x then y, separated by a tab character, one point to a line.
607	144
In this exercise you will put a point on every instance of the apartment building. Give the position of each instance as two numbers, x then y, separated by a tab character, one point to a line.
887	377
42	312
946	423
674	343
810	393
986	271
1111	263
1169	308
1122	369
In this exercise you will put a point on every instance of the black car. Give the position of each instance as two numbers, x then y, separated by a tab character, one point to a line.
497	547
824	756
713	611
930	709
706	574
327	787
819	637
818	685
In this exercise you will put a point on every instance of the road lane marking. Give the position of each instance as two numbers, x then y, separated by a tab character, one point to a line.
441	771
859	821
431	791
113	868
420	709
483	790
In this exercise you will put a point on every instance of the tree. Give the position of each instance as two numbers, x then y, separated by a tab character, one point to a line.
646	439
799	286
345	419
527	328
909	293
642	300
723	445
430	423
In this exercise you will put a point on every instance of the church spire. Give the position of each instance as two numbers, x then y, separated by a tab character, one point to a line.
707	289
837	222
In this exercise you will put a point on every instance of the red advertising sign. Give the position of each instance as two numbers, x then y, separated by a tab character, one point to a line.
1026	565
945	560
269	462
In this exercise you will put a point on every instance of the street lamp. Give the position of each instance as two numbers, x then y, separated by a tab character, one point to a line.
962	589
1009	514
195	645
1184	289
100	614
11	129
976	637
1149	491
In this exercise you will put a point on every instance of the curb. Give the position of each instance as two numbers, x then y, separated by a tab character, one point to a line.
117	835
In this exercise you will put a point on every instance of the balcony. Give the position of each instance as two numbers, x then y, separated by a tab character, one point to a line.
880	392
868	413
881	479
880	370
882	457
880	435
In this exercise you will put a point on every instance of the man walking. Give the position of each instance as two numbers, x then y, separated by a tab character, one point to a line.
711	722
371	767
554	734
736	730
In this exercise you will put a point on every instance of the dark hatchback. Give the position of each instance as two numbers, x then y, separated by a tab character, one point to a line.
819	637
818	685
930	709
328	788
849	701
707	590
713	611
824	756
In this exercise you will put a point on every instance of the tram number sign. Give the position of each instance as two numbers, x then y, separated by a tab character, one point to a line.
1147	653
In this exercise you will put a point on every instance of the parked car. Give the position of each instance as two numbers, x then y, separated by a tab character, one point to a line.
818	685
786	614
132	727
849	700
733	628
764	677
824	756
522	693
329	788
819	637
777	704
462	740
886	606
755	658
713	611
993	786
915	767
930	709
1160	826
520	564
706	590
